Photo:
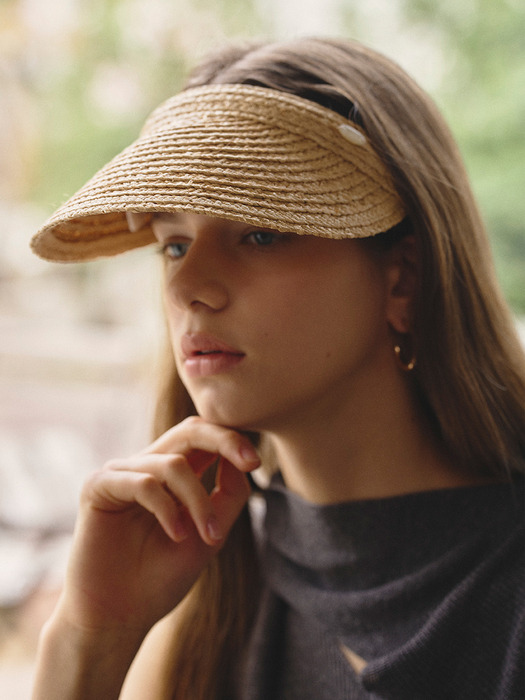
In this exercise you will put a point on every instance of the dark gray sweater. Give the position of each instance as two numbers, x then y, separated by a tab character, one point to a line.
428	588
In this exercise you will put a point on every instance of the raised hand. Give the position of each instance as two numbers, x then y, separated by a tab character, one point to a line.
145	530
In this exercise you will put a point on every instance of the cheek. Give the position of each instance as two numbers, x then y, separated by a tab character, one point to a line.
171	316
292	321
329	313
173	325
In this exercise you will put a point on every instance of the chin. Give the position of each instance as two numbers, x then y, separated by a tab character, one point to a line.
228	419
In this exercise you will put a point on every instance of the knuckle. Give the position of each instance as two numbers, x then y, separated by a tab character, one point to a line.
90	481
92	484
185	433
111	464
176	463
148	484
192	422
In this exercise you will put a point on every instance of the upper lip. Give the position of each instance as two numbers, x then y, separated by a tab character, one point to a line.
194	344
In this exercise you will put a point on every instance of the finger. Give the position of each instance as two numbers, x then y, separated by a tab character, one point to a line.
158	462
114	490
196	434
176	475
180	479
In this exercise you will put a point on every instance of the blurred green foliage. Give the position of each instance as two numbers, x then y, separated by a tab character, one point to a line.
122	57
483	99
82	123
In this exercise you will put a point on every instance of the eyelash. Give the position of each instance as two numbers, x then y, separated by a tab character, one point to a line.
164	250
274	238
271	238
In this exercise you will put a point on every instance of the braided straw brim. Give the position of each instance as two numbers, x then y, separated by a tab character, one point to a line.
236	152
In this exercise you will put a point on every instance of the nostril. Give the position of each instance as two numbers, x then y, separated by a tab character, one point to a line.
197	294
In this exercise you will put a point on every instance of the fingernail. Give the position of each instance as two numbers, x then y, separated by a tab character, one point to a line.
213	529
249	454
181	529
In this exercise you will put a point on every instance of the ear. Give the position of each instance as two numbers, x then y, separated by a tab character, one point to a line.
403	275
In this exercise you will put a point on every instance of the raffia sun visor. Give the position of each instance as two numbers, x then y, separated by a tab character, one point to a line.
235	152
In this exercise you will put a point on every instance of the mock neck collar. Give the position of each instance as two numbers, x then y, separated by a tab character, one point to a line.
350	565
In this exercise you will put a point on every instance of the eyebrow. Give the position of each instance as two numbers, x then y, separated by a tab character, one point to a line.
163	222
167	216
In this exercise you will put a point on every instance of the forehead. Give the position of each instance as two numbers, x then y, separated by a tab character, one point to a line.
164	224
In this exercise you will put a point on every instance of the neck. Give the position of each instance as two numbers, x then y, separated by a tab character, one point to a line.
375	448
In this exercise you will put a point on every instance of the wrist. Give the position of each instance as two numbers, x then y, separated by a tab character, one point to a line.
75	662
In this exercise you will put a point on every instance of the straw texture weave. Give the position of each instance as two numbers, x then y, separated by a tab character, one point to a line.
236	152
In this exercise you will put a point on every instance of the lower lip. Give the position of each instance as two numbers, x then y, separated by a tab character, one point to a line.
208	365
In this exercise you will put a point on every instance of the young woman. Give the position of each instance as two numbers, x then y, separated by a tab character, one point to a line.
333	315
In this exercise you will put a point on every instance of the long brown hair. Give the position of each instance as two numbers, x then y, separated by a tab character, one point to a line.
470	373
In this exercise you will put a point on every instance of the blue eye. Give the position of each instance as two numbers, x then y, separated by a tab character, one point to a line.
175	251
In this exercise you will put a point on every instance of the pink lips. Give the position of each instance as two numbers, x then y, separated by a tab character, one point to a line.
204	355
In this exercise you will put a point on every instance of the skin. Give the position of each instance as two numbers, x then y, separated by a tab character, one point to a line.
283	301
314	322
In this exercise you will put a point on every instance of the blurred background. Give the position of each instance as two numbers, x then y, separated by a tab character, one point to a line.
78	343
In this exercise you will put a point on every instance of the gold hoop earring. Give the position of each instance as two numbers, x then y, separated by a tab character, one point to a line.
405	366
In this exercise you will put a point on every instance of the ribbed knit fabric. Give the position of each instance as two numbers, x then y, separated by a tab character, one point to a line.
428	588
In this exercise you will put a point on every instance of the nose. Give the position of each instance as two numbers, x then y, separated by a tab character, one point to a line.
200	279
